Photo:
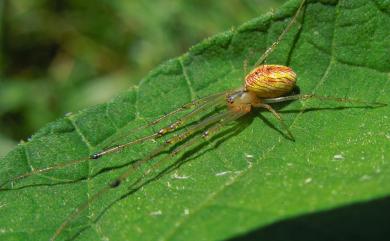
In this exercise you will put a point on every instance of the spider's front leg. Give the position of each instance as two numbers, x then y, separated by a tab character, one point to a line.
324	98
265	104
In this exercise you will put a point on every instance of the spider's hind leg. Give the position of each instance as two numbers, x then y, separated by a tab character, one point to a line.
278	116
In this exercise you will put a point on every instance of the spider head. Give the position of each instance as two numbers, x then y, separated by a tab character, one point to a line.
241	100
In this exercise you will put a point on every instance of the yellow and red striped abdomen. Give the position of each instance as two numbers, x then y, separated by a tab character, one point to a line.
269	81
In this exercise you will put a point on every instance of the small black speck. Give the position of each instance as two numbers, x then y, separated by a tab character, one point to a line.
115	183
95	156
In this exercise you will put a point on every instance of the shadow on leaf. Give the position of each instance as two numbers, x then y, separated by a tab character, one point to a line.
364	221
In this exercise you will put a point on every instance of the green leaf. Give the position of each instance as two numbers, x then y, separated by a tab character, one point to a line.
249	177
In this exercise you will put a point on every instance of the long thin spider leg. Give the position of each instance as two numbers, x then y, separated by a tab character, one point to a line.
66	164
327	98
214	129
217	100
278	116
209	102
116	182
245	68
176	139
43	170
190	105
281	36
209	132
75	213
230	116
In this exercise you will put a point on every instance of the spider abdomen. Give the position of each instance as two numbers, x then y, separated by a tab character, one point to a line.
269	81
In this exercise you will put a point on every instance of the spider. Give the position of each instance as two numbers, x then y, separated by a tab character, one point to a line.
265	85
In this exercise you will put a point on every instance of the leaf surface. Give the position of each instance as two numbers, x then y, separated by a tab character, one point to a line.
249	176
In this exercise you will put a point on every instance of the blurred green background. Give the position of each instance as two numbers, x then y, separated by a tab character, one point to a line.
60	56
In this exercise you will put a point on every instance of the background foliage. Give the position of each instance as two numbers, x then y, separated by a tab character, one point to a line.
60	56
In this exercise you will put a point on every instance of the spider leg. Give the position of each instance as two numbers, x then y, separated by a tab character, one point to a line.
278	116
75	213
281	36
43	170
176	139
193	104
212	102
200	105
327	98
217	120
214	129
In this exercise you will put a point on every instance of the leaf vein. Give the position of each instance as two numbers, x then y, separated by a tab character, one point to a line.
187	79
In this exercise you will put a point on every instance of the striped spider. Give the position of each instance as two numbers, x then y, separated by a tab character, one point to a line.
264	86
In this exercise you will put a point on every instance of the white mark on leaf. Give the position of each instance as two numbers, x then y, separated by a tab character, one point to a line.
338	157
186	211
2	205
222	173
177	176
308	180
365	178
248	155
156	213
